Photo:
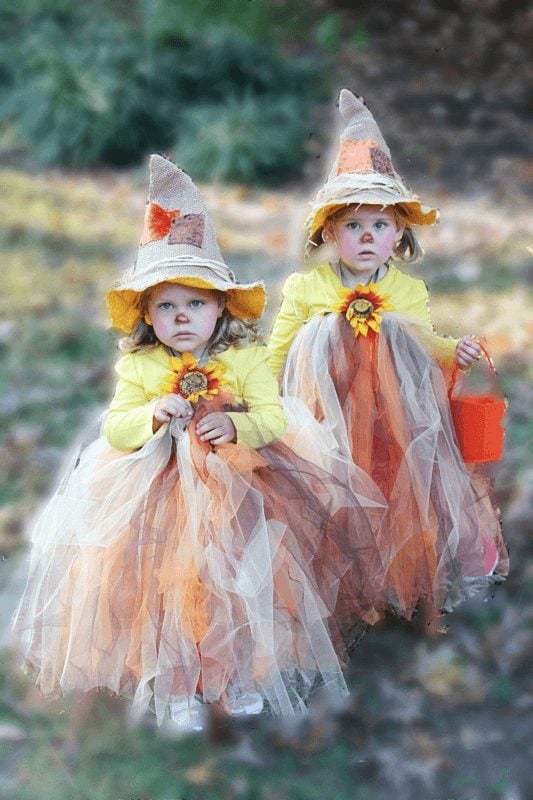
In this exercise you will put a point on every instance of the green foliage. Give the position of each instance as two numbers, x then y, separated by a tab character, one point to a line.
481	618
53	376
183	19
82	91
502	690
89	84
329	33
223	62
359	38
246	112
244	139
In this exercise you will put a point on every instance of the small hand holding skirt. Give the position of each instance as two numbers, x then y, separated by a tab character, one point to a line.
180	569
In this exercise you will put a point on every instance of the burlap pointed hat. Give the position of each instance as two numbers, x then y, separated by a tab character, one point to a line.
178	244
363	173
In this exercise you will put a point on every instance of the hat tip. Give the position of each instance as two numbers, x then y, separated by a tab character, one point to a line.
156	157
345	95
162	160
350	103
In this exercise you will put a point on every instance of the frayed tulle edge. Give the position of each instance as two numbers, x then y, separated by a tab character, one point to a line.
455	594
469	588
300	689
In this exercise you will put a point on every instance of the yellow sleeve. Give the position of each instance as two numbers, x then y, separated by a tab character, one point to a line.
264	420
128	424
291	316
419	308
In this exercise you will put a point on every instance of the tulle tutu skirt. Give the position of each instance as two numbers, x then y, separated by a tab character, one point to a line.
384	400
181	569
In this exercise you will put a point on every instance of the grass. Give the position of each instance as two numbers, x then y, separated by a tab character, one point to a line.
116	761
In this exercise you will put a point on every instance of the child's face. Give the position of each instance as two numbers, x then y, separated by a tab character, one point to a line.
364	237
184	318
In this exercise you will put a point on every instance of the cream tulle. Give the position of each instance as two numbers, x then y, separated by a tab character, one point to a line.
384	401
175	570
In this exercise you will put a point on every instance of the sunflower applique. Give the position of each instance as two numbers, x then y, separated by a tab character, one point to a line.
192	381
362	307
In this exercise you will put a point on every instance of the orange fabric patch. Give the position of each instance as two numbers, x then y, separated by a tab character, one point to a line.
157	223
356	156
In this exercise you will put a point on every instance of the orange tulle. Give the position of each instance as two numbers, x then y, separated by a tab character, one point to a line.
178	568
385	400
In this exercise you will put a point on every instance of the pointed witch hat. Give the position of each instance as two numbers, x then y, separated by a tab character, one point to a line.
363	173
179	245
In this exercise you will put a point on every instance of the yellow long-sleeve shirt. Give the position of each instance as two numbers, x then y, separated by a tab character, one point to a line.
129	420
308	293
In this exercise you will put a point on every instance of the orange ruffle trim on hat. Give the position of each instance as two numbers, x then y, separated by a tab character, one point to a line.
123	304
414	212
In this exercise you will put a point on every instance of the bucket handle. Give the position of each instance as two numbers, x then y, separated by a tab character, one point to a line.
456	369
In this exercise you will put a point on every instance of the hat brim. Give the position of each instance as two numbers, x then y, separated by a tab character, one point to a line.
413	212
245	301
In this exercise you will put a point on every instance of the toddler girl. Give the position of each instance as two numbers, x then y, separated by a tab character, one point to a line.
188	555
359	348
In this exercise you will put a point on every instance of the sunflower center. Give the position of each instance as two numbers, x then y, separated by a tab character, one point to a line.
192	382
361	307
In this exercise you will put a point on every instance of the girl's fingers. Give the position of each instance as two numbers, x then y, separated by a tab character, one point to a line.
182	408
471	345
210	435
173	409
208	423
221	439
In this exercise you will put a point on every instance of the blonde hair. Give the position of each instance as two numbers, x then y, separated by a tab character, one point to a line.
229	331
408	249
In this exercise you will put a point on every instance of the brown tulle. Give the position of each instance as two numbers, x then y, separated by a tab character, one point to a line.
384	398
182	568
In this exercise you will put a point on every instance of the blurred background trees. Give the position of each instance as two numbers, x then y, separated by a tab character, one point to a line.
234	89
95	83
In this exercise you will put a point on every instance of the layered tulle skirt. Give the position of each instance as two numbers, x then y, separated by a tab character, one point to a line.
384	400
181	569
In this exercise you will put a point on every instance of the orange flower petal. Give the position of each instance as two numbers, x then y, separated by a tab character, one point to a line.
175	363
189	360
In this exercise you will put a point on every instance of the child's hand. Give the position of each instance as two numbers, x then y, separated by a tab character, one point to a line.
216	428
466	352
168	406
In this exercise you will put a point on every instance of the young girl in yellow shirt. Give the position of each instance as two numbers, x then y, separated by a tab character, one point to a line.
189	556
357	345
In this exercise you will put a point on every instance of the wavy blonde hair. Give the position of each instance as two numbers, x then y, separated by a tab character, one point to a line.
408	248
230	331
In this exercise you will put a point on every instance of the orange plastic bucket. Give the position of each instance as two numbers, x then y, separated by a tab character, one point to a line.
478	420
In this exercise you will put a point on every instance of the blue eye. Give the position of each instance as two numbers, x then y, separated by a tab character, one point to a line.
379	225
196	303
165	306
352	226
